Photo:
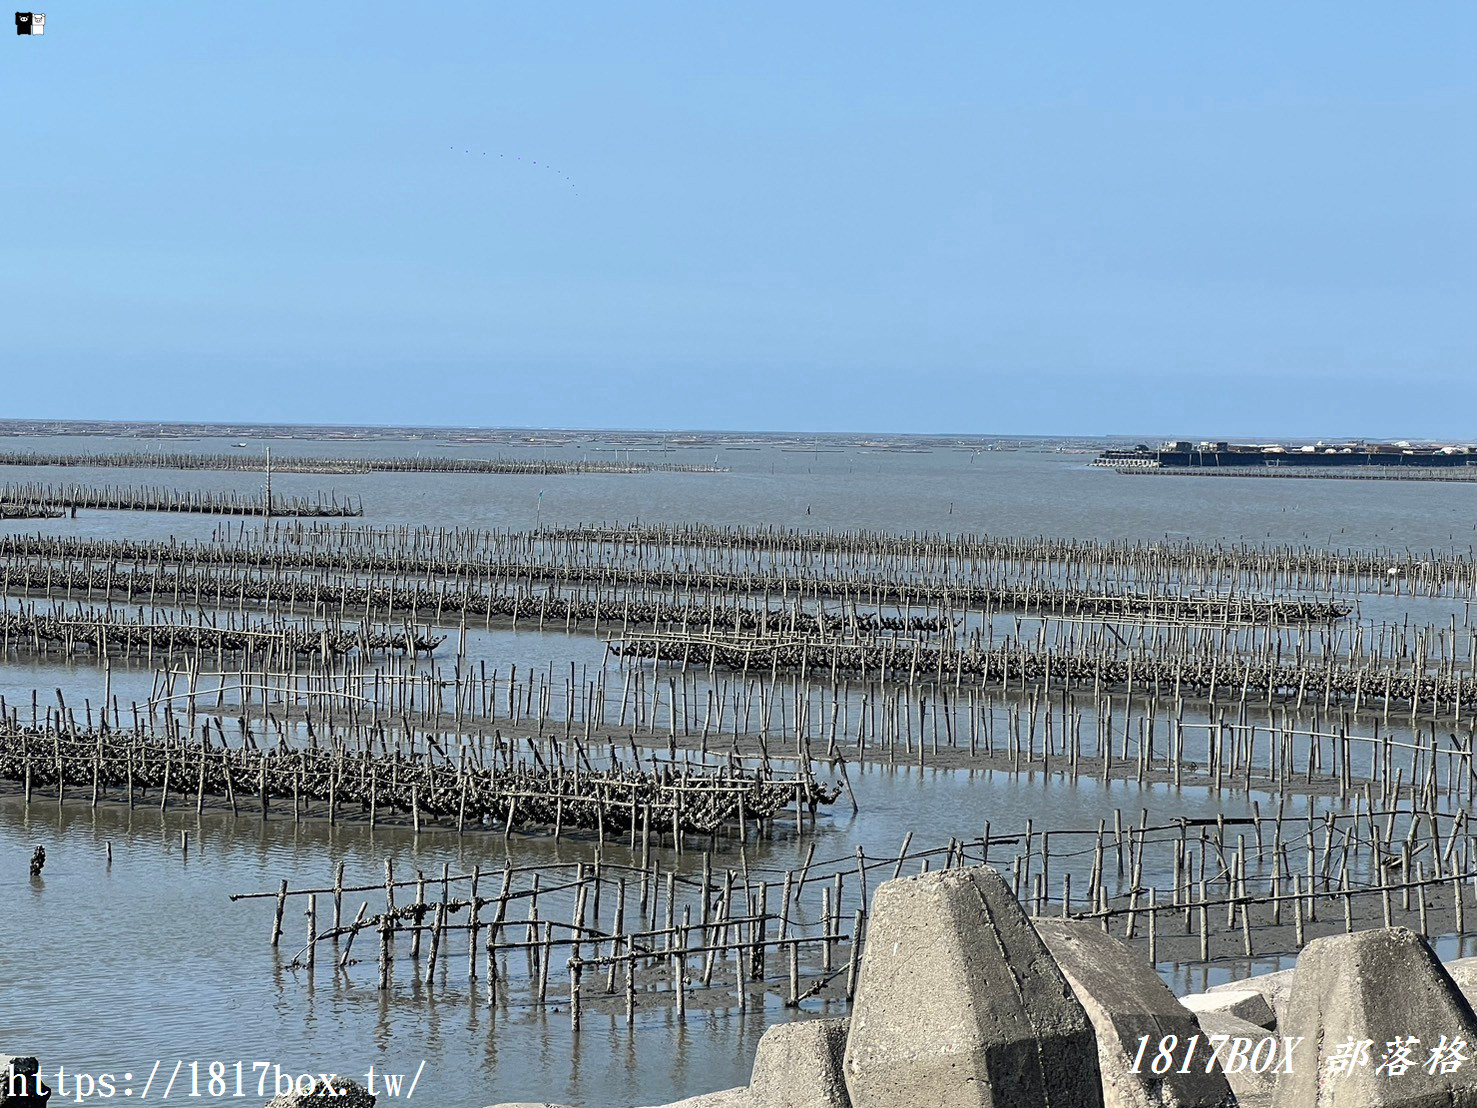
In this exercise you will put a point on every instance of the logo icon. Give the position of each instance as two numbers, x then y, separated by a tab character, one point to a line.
30	23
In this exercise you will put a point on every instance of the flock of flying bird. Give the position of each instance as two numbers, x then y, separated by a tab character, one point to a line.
519	158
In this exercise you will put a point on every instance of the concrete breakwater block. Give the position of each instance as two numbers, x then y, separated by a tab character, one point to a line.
960	1004
20	1082
800	1065
797	1065
1244	1004
1251	1082
1274	987
1464	972
1133	1012
346	1093
1384	989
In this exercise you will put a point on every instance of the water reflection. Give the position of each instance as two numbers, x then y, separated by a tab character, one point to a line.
149	958
112	967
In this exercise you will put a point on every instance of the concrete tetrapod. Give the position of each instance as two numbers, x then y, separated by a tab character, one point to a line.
960	1005
20	1082
800	1065
1274	987
345	1093
1464	972
1130	1007
1381	988
1253	1087
1244	1004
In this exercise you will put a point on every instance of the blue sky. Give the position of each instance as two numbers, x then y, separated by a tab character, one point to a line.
1074	218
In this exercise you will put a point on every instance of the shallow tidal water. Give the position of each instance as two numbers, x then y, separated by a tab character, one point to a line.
108	969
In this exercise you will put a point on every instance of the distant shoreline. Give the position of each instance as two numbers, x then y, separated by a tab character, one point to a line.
1362	473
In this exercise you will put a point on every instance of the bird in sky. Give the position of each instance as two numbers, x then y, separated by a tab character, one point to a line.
519	157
